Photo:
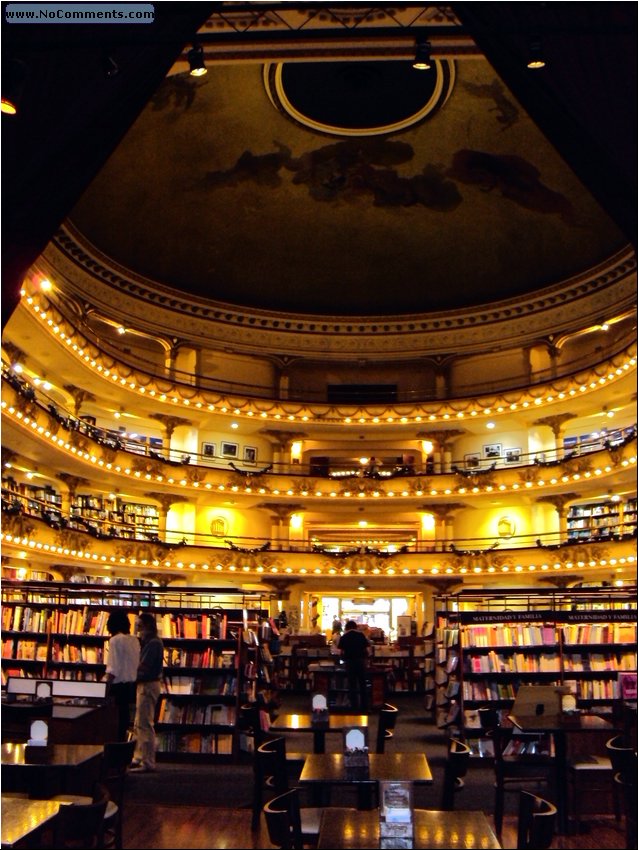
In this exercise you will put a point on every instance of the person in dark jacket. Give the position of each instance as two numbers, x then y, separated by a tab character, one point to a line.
149	677
354	647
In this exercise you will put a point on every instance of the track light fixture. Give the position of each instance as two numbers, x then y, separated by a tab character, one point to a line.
196	61
111	68
14	73
536	59
422	57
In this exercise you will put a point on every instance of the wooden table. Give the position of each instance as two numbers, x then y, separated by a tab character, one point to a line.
322	771
67	769
560	726
303	723
23	818
355	830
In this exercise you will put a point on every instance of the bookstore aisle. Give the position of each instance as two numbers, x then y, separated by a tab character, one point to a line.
208	805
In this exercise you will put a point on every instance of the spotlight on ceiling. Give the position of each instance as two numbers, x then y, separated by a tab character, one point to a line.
536	58
422	57
111	68
14	73
195	58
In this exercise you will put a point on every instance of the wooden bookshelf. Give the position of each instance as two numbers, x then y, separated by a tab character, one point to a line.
575	638
58	631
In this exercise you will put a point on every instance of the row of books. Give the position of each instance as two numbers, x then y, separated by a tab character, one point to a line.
519	634
29	650
600	661
67	675
447	636
516	662
604	689
195	714
530	745
194	685
600	633
207	658
19	618
203	626
194	742
489	690
78	654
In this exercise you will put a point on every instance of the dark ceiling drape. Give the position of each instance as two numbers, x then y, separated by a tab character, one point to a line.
72	117
584	100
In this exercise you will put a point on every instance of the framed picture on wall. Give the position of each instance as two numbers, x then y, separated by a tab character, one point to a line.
209	450
472	461
230	449
492	450
512	455
250	454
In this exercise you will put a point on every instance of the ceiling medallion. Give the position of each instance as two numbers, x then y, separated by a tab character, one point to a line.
358	98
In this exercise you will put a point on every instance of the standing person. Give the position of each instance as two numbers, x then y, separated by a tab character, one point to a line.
149	675
355	648
121	668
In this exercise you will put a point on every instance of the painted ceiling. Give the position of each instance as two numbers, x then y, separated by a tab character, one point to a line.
219	191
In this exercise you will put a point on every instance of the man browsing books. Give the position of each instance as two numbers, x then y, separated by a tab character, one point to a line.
354	647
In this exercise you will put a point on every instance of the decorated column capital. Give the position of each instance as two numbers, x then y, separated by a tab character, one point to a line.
170	423
555	422
442	512
559	501
79	396
283	439
166	500
443	439
72	482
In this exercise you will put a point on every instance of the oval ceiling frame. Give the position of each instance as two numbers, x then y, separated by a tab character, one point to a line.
444	69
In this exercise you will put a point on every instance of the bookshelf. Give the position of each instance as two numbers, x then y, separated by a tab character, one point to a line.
58	631
446	683
576	638
36	500
98	515
409	664
601	520
113	517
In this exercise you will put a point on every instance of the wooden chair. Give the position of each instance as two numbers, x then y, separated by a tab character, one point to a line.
289	825
118	756
513	772
622	757
628	789
81	825
536	822
269	775
387	721
250	724
458	759
591	778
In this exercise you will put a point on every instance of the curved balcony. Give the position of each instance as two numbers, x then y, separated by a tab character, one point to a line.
87	449
539	389
63	545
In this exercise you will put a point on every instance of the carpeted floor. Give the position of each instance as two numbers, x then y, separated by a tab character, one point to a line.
224	785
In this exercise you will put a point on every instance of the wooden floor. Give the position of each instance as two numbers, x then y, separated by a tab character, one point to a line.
159	826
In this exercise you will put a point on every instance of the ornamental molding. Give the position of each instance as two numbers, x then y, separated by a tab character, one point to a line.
92	280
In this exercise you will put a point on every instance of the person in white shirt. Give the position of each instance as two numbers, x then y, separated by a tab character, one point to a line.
121	668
